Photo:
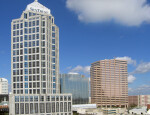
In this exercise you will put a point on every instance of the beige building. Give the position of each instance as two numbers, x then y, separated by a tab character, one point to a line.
3	86
139	100
35	65
109	86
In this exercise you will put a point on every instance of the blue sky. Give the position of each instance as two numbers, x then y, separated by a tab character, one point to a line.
87	37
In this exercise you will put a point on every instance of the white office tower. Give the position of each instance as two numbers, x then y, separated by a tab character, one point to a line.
35	65
3	86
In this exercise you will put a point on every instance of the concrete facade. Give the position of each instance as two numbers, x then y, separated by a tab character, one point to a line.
139	100
35	65
3	86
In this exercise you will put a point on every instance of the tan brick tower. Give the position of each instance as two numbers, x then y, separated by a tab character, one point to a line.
109	85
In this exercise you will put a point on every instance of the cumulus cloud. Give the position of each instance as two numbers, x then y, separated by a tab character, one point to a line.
131	78
80	69
125	12
143	68
129	59
141	90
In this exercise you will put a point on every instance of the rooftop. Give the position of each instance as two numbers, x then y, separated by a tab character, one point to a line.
37	7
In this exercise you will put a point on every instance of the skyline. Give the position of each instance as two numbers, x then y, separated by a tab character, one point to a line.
80	41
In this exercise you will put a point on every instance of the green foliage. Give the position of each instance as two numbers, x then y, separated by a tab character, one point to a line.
75	113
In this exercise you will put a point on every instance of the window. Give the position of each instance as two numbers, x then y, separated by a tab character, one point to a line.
42	108
14	39
53	35
30	85
53	60
21	25
14	33
26	24
26	85
26	51
53	66
26	91
53	107
26	78
35	98
43	30
26	64
53	41
37	43
61	107
31	98
43	43
37	29
26	58
29	24
29	37
33	23
21	45
53	28
26	31
43	57
69	107
26	71
21	57
17	26
37	50
43	71
54	85
43	23
37	36
42	98
14	27
25	44
26	98
38	84
14	46
53	47
21	32
44	85
54	79
43	50
37	22
65	107
43	37
21	38
25	16
33	36
53	53
33	43
16	98
57	107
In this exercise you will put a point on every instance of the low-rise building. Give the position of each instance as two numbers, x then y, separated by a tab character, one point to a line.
138	111
138	100
3	86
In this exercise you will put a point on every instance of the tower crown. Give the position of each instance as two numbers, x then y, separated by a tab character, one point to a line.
37	7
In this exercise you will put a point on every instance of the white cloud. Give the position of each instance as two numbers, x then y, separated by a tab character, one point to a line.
129	59
73	73
131	78
141	90
125	12
82	69
143	68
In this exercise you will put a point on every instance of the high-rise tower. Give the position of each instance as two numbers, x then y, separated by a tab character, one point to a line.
109	84
35	64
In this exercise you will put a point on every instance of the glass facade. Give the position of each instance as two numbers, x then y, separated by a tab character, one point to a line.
77	85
